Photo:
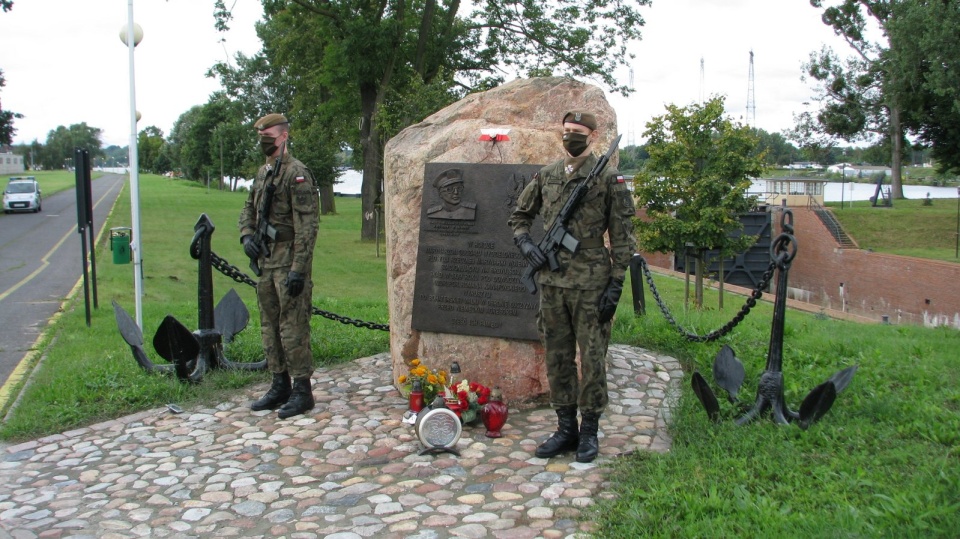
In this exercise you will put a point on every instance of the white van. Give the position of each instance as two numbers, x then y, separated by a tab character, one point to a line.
22	194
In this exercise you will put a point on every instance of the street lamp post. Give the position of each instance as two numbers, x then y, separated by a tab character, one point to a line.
132	37
843	179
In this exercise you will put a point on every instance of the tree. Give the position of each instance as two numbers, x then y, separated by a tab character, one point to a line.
196	136
180	148
857	95
149	144
632	158
695	181
370	51
232	151
6	117
777	150
925	43
62	142
260	85
116	156
7	131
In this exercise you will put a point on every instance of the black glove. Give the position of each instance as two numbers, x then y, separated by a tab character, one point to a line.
607	305
530	251
294	284
249	247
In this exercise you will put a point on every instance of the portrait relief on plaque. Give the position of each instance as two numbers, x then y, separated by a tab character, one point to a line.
468	268
450	189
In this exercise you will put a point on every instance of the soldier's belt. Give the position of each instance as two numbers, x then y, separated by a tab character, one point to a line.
284	233
588	243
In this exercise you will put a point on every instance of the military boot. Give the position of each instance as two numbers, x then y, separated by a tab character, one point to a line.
301	399
278	393
565	439
589	444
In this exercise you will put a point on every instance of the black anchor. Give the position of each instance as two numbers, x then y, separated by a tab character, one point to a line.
729	373
192	354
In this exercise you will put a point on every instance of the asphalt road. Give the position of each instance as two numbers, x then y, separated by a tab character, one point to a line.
40	263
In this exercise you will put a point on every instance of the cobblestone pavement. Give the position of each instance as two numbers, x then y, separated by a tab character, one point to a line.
350	468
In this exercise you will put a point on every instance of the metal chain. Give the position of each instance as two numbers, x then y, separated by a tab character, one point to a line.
234	273
726	328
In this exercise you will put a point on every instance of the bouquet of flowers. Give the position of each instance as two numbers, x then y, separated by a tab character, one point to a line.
470	397
432	383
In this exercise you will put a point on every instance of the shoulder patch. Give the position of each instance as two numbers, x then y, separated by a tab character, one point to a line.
300	179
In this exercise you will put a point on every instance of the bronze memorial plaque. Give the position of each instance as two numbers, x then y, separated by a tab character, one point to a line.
468	269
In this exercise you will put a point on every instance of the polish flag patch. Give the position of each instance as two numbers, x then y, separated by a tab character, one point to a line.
621	179
300	179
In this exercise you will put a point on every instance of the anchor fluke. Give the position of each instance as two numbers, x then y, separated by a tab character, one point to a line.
728	372
131	333
706	396
178	345
842	378
230	315
817	403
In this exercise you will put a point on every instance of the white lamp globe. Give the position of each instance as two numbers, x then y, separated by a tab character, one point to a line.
137	34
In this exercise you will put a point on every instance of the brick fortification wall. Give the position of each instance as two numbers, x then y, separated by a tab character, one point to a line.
905	289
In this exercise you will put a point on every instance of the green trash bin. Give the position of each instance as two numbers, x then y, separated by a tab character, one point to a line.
120	244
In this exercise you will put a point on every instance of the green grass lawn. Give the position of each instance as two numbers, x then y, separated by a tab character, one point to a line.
908	228
884	462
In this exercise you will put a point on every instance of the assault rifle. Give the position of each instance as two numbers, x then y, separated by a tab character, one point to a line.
557	235
264	229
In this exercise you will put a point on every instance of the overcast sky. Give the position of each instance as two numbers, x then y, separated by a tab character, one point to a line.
64	62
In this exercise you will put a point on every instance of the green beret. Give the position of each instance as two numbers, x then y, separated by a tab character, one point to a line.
583	118
269	121
447	177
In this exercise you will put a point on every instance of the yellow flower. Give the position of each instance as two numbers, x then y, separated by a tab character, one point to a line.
431	378
402	379
415	362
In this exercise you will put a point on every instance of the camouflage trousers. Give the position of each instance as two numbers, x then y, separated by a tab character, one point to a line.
567	319
285	324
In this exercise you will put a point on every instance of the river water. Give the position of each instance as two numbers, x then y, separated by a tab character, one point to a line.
863	191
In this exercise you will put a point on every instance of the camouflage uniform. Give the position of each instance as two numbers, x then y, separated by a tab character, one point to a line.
568	314
285	320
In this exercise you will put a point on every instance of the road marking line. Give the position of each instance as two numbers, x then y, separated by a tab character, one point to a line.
44	262
27	362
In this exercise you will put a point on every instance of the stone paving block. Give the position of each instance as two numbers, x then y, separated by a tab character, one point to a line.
349	468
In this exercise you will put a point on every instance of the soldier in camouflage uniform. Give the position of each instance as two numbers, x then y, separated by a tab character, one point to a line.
285	289
577	302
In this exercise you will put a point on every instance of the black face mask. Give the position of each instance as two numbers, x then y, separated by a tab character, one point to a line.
268	145
575	143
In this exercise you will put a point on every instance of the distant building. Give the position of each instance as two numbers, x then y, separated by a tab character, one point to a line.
10	163
804	165
858	171
793	192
